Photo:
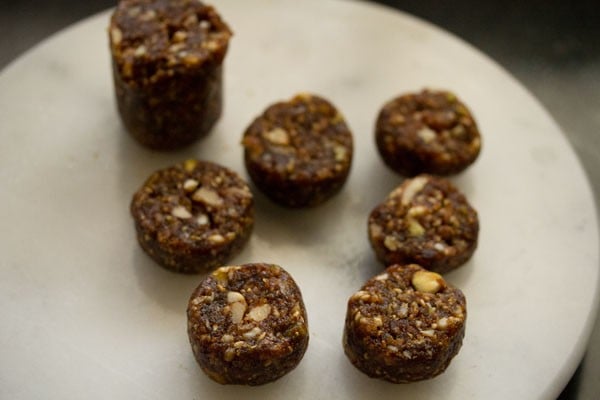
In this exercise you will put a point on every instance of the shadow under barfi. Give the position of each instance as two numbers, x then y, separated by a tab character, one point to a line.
168	289
304	226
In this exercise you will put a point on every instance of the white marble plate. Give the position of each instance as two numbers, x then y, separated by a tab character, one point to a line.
85	314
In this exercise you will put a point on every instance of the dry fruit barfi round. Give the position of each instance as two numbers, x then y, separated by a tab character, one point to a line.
428	132
247	324
167	58
404	325
299	152
427	221
193	216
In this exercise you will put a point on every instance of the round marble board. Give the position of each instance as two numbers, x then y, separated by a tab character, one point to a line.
86	314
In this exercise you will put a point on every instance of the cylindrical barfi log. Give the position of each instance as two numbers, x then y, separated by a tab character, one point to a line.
247	324
428	132
299	152
167	60
404	325
427	221
194	216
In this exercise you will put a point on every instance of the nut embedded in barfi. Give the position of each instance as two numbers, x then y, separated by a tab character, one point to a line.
299	152
247	324
194	216
404	325
167	58
427	221
427	132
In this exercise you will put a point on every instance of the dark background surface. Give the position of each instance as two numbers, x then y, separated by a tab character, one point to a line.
551	47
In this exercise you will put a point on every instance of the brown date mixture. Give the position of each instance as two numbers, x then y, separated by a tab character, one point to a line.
167	58
247	324
194	216
427	132
299	152
404	325
426	221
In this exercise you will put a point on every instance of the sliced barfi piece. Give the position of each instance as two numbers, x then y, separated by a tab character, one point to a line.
404	325
247	324
299	152
194	216
427	221
428	132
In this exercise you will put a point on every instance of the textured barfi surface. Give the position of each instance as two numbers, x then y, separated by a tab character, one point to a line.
427	221
194	216
404	325
167	60
299	152
247	324
428	132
